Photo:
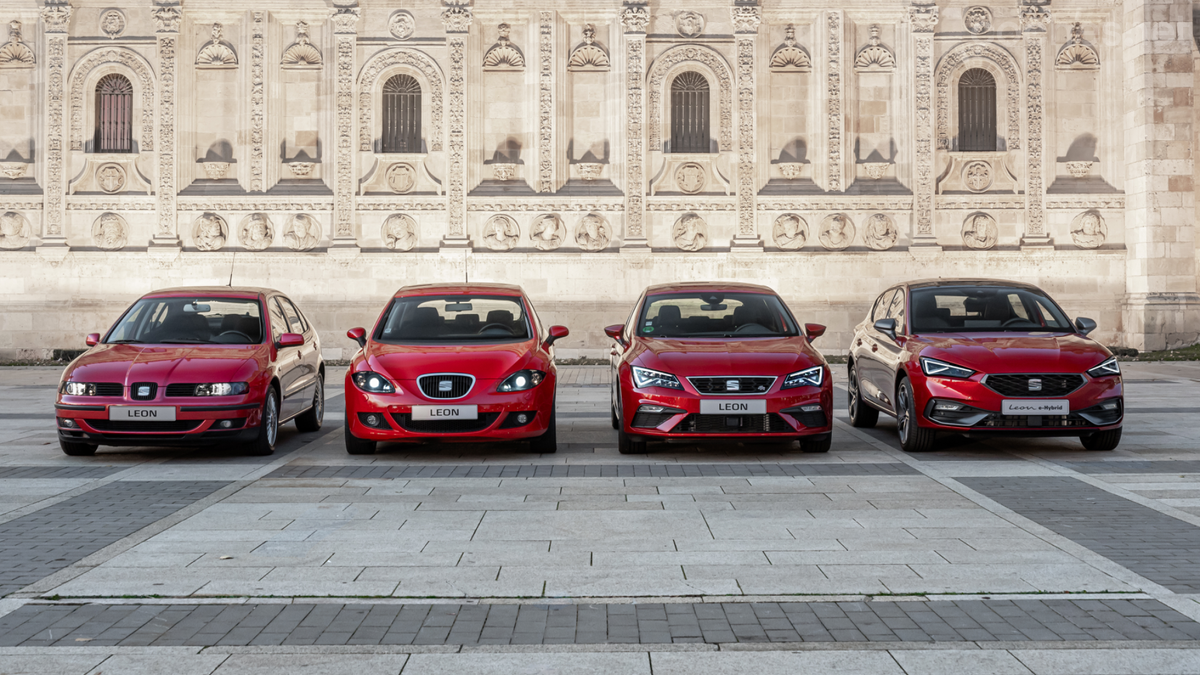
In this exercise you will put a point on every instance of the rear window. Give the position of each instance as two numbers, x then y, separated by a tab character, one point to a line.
709	314
454	318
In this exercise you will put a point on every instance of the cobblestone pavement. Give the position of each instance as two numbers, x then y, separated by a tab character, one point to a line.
1005	556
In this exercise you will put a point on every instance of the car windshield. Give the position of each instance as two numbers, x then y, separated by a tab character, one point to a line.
190	320
976	309
715	314
454	318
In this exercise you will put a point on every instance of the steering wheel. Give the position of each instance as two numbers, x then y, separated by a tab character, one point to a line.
501	326
748	325
236	332
1013	320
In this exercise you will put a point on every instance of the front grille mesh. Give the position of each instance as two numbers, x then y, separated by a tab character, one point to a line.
720	385
1053	384
733	424
110	389
997	421
459	385
181	389
148	427
444	426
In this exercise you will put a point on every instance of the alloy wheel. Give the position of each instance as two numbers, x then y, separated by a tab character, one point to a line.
853	391
904	419
319	400
271	419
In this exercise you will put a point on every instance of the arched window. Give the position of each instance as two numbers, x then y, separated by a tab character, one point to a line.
114	114
401	114
689	113
977	111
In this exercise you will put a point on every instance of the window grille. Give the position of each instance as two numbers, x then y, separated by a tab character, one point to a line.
689	113
977	111
114	114
401	114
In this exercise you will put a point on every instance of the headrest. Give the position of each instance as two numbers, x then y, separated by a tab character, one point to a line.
668	313
500	316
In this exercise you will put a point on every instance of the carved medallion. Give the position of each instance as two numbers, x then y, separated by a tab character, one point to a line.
690	178
501	233
790	232
547	232
977	176
112	23
980	232
880	232
978	20
837	232
302	232
689	24
110	232
110	178
402	25
14	231
1088	230
690	232
592	233
210	232
399	232
401	178
257	232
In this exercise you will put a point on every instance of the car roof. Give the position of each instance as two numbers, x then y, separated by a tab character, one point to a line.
933	283
460	289
717	286
215	291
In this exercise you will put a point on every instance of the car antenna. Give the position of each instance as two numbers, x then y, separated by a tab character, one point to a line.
231	262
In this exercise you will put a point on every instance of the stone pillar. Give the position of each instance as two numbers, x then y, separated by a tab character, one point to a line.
1033	26
923	20
258	102
1162	309
634	18
457	21
56	17
167	16
345	37
546	116
835	119
746	18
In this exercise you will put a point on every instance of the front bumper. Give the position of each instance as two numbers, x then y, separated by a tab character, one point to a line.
785	414
1097	405
221	420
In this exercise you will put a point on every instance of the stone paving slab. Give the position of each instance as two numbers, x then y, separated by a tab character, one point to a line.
1175	466
58	472
404	471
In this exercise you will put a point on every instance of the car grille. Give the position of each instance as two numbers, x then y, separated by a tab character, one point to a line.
1053	384
997	421
133	391
444	426
431	385
733	424
148	427
720	385
181	389
110	389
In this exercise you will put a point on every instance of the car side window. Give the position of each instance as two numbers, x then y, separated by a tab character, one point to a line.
279	324
896	311
293	315
539	328
881	305
632	320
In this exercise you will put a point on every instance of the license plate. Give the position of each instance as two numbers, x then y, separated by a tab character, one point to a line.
445	412
1036	407
128	413
733	407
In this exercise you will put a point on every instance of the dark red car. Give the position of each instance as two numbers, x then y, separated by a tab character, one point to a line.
464	362
982	357
195	366
716	360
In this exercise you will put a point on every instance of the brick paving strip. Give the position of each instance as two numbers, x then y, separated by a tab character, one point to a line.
1157	546
157	625
1135	466
64	472
41	543
384	471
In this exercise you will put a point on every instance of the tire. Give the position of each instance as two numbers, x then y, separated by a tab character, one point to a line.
77	449
862	415
612	412
913	437
1101	441
817	445
547	443
629	445
356	445
268	429
311	419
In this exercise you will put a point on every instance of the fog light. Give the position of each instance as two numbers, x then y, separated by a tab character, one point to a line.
373	420
652	409
947	406
1110	405
68	423
522	418
811	408
225	424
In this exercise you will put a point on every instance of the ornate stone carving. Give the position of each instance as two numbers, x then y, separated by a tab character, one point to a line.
977	176
547	232
689	24
457	19
15	53
978	20
1077	54
790	232
216	53
790	56
56	46
112	23
875	170
167	18
501	233
1035	181
874	57
210	232
979	231
504	55
1088	230
924	21
746	20
144	83
257	232
948	66
402	25
588	56
216	170
923	17
634	19
368	85
504	172
302	53
344	20
589	171
13	170
258	147
880	232
401	178
834	177
1080	169
690	178
57	16
110	232
14	231
655	84
301	169
690	232
111	178
399	232
593	233
837	232
456	134
302	232
791	170
1034	17
545	102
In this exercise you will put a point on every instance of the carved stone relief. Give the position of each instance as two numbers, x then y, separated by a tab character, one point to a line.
880	232
13	170
874	57
690	178
302	232
302	53
402	25
690	232
210	232
947	68
401	178
504	172
875	170
837	231
167	18
301	169
345	21
978	20
1079	169
216	53
790	56
1034	26
144	83
112	23
501	233
457	21
746	20
55	18
399	232
655	83
790	232
547	232
1088	230
589	171
689	24
833	105
790	170
14	231
258	148
110	232
1077	54
15	53
216	170
110	178
923	21
504	55
368	84
593	233
588	56
257	232
977	176
979	231
634	20
545	102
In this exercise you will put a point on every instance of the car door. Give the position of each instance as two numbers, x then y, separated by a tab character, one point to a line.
287	360
866	349
891	351
309	353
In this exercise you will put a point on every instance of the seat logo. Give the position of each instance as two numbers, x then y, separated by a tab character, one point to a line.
1035	384
732	385
143	391
445	385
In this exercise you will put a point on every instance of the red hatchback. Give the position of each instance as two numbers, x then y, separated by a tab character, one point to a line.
714	360
466	362
195	366
982	357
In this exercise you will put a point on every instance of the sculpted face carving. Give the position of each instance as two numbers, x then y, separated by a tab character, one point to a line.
399	232
547	232
592	233
690	233
302	232
110	232
880	232
257	232
790	232
14	231
501	233
401	178
110	178
690	178
980	231
837	232
1088	230
210	232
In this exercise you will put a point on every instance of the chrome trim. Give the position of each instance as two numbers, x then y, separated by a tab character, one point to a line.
456	398
731	377
1084	378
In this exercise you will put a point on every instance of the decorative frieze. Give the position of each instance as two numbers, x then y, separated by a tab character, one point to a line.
1115	202
477	206
545	102
208	204
856	203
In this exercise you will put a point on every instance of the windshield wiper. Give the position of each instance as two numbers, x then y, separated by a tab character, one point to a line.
126	342
191	341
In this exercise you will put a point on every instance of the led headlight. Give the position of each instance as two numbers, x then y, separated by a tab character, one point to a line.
522	380
644	377
373	383
935	368
221	389
1106	369
79	389
812	377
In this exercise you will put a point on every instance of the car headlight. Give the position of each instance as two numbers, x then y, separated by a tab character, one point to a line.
221	389
935	368
373	382
522	380
812	377
1106	369
644	377
78	389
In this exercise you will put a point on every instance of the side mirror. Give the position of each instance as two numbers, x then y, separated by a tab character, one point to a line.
92	339
887	327
1085	325
615	332
359	335
556	333
813	331
291	340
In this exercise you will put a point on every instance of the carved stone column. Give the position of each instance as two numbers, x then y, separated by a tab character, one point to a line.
634	18
835	161
258	102
167	16
457	20
546	116
1033	25
746	19
56	17
345	36
923	20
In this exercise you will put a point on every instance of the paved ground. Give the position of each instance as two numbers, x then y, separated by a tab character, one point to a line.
1020	556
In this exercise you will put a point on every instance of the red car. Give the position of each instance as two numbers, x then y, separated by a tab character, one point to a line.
465	362
714	360
982	357
195	366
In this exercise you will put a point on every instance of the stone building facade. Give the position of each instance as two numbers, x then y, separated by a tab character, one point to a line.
587	148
